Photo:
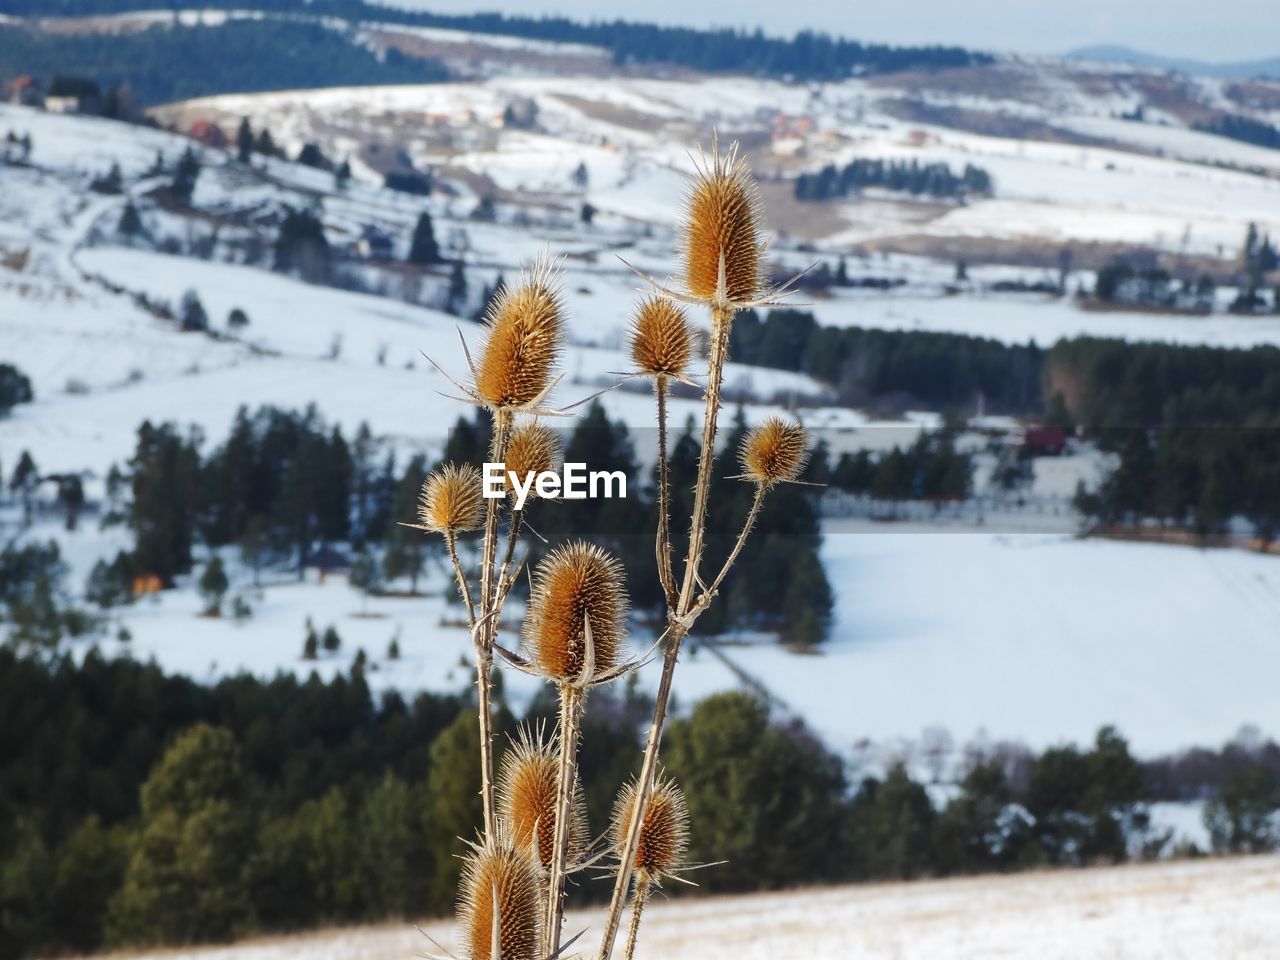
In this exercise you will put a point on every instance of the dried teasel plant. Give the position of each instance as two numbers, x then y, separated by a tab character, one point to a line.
532	448
501	902
722	252
512	902
573	633
663	842
527	794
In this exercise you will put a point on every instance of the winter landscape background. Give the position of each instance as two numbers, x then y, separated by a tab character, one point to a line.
1028	621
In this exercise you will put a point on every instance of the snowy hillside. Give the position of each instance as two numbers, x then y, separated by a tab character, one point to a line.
1217	908
973	631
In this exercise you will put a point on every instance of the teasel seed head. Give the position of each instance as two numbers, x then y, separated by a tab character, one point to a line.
525	332
527	800
774	452
500	880
531	448
661	338
452	499
664	833
722	218
575	584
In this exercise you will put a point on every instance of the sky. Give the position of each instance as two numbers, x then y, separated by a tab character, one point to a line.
1222	31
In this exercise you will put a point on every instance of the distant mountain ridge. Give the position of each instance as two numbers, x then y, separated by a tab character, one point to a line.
1114	53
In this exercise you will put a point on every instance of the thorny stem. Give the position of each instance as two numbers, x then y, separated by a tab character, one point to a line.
513	538
450	538
663	544
637	907
678	621
485	637
747	524
571	702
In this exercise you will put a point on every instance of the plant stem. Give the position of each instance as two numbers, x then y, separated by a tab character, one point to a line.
637	907
663	544
484	637
451	540
571	702
678	622
747	525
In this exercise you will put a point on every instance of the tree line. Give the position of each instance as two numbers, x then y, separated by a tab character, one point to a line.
287	490
807	55
901	176
171	62
938	370
141	808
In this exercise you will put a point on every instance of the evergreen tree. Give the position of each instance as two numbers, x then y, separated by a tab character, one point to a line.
186	880
763	797
423	250
237	320
164	482
452	808
407	548
365	576
332	642
15	388
130	225
892	824
1245	815
244	141
456	299
213	586
184	177
192	315
342	176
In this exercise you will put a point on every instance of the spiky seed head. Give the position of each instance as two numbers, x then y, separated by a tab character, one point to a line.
774	452
525	331
664	833
531	448
452	499
527	784
661	338
574	584
722	218
500	878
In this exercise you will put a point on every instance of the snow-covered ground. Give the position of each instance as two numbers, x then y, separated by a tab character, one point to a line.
1189	910
1025	637
1036	637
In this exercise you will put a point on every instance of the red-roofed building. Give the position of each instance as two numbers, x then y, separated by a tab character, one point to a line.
208	133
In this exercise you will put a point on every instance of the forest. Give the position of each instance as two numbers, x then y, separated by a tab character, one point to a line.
900	176
163	63
139	808
805	56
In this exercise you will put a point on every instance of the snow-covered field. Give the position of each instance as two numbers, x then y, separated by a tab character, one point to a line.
1034	637
1190	910
1024	636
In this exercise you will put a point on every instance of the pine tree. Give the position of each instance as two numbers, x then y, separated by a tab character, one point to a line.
342	175
331	642
130	222
456	299
184	177
187	877
213	586
365	576
423	250
244	141
407	548
237	320
192	315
